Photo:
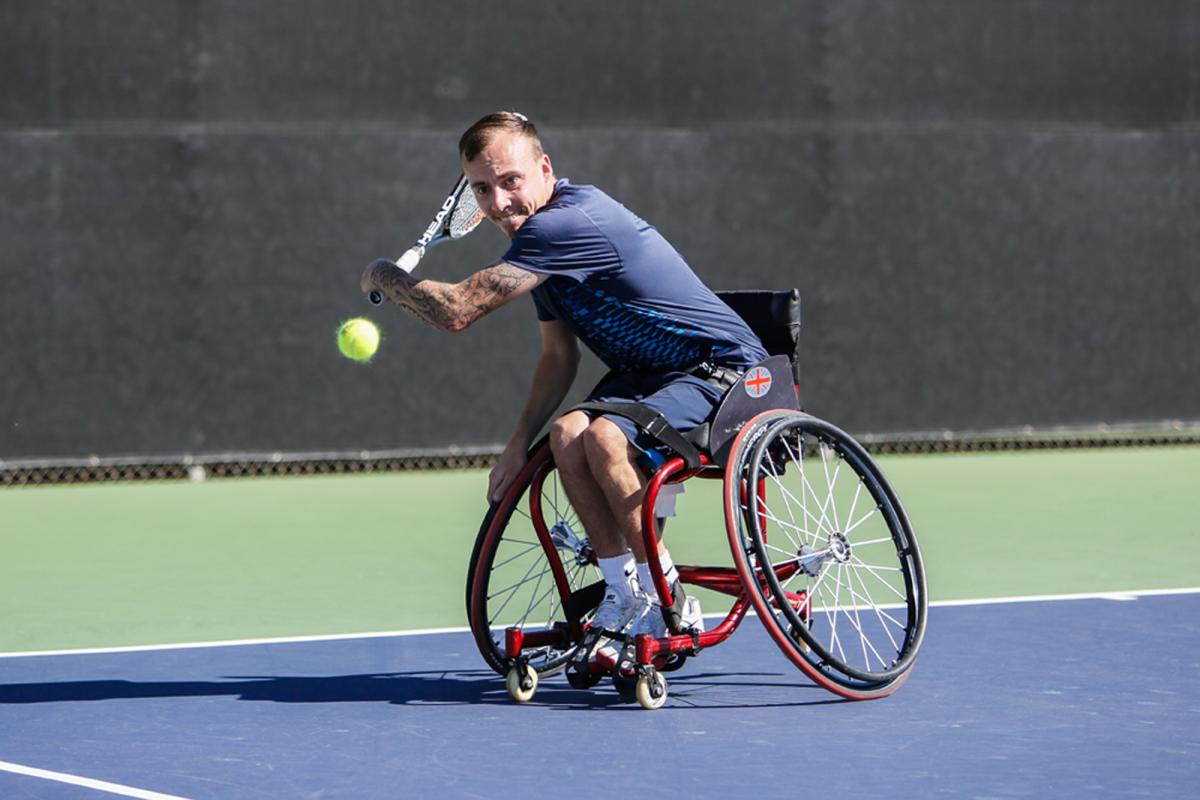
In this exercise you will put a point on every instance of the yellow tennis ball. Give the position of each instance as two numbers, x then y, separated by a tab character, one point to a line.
358	339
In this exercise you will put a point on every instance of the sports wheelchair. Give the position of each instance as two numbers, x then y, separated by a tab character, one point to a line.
823	552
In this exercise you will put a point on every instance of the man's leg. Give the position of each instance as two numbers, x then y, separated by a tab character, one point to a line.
589	501
622	603
612	462
612	458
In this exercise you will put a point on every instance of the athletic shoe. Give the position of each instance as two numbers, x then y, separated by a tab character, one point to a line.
649	619
693	617
611	619
615	612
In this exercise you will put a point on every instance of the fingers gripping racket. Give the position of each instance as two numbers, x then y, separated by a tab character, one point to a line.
458	216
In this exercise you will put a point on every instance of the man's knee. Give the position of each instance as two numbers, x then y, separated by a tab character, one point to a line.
566	439
605	443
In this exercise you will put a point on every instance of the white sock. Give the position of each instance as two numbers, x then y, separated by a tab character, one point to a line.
646	580
619	572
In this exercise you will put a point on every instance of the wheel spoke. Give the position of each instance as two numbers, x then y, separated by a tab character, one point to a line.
791	556
834	639
785	526
860	564
512	590
509	559
866	517
855	619
853	505
537	600
821	523
870	542
830	482
795	459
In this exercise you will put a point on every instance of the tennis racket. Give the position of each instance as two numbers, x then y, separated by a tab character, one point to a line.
458	216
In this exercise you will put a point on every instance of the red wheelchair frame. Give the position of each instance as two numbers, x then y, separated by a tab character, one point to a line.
834	559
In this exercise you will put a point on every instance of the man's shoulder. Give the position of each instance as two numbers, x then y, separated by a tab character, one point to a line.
579	196
563	237
566	214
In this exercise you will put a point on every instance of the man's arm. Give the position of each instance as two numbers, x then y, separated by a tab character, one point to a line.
552	380
450	306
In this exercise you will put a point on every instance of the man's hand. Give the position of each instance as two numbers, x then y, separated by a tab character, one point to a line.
376	275
508	466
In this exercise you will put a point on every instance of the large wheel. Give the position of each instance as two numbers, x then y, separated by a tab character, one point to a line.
531	561
826	552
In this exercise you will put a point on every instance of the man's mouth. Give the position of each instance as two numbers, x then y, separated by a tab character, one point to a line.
505	220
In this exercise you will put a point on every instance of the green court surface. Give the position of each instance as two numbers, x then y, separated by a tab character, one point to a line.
143	563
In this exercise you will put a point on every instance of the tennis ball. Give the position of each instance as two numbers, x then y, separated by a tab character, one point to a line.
358	339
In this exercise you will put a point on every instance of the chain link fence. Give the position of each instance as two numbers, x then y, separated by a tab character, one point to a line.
234	465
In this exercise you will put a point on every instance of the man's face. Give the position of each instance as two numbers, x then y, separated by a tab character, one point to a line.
510	180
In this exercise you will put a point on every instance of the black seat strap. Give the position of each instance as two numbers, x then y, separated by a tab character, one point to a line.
652	423
721	377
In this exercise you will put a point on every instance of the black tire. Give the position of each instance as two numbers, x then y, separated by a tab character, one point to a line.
516	568
845	595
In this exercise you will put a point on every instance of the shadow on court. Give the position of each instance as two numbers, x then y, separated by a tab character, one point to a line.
456	687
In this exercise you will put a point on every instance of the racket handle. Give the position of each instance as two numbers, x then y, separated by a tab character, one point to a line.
376	297
412	256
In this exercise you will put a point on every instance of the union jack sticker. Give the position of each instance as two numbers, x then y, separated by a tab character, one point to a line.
758	382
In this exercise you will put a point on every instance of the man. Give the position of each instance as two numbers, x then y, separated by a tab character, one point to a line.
599	274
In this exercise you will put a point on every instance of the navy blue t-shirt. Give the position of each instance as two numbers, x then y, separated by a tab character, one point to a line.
623	289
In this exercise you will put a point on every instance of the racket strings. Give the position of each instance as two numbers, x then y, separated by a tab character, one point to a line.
465	216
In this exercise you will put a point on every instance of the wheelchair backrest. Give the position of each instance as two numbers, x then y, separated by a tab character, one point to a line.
775	319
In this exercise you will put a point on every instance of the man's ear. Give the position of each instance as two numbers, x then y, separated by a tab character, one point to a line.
547	167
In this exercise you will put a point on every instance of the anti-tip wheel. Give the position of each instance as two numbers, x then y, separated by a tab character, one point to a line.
651	690
522	682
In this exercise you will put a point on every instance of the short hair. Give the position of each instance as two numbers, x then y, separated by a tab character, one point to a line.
481	134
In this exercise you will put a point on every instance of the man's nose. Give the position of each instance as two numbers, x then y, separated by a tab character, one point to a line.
498	200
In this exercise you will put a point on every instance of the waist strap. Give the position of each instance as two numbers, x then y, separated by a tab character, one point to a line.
723	378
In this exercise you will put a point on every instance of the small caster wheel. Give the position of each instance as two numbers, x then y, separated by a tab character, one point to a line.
651	690
522	682
626	685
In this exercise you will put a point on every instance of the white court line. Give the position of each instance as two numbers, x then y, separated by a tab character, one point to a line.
1130	594
90	783
140	648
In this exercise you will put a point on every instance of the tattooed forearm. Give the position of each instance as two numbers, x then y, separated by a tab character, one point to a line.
491	288
435	304
452	307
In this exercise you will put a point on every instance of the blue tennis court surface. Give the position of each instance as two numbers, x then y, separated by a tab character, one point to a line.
1071	698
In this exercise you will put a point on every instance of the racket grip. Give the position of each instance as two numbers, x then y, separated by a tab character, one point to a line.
412	256
376	297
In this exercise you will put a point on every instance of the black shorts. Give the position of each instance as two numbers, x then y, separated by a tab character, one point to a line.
684	400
